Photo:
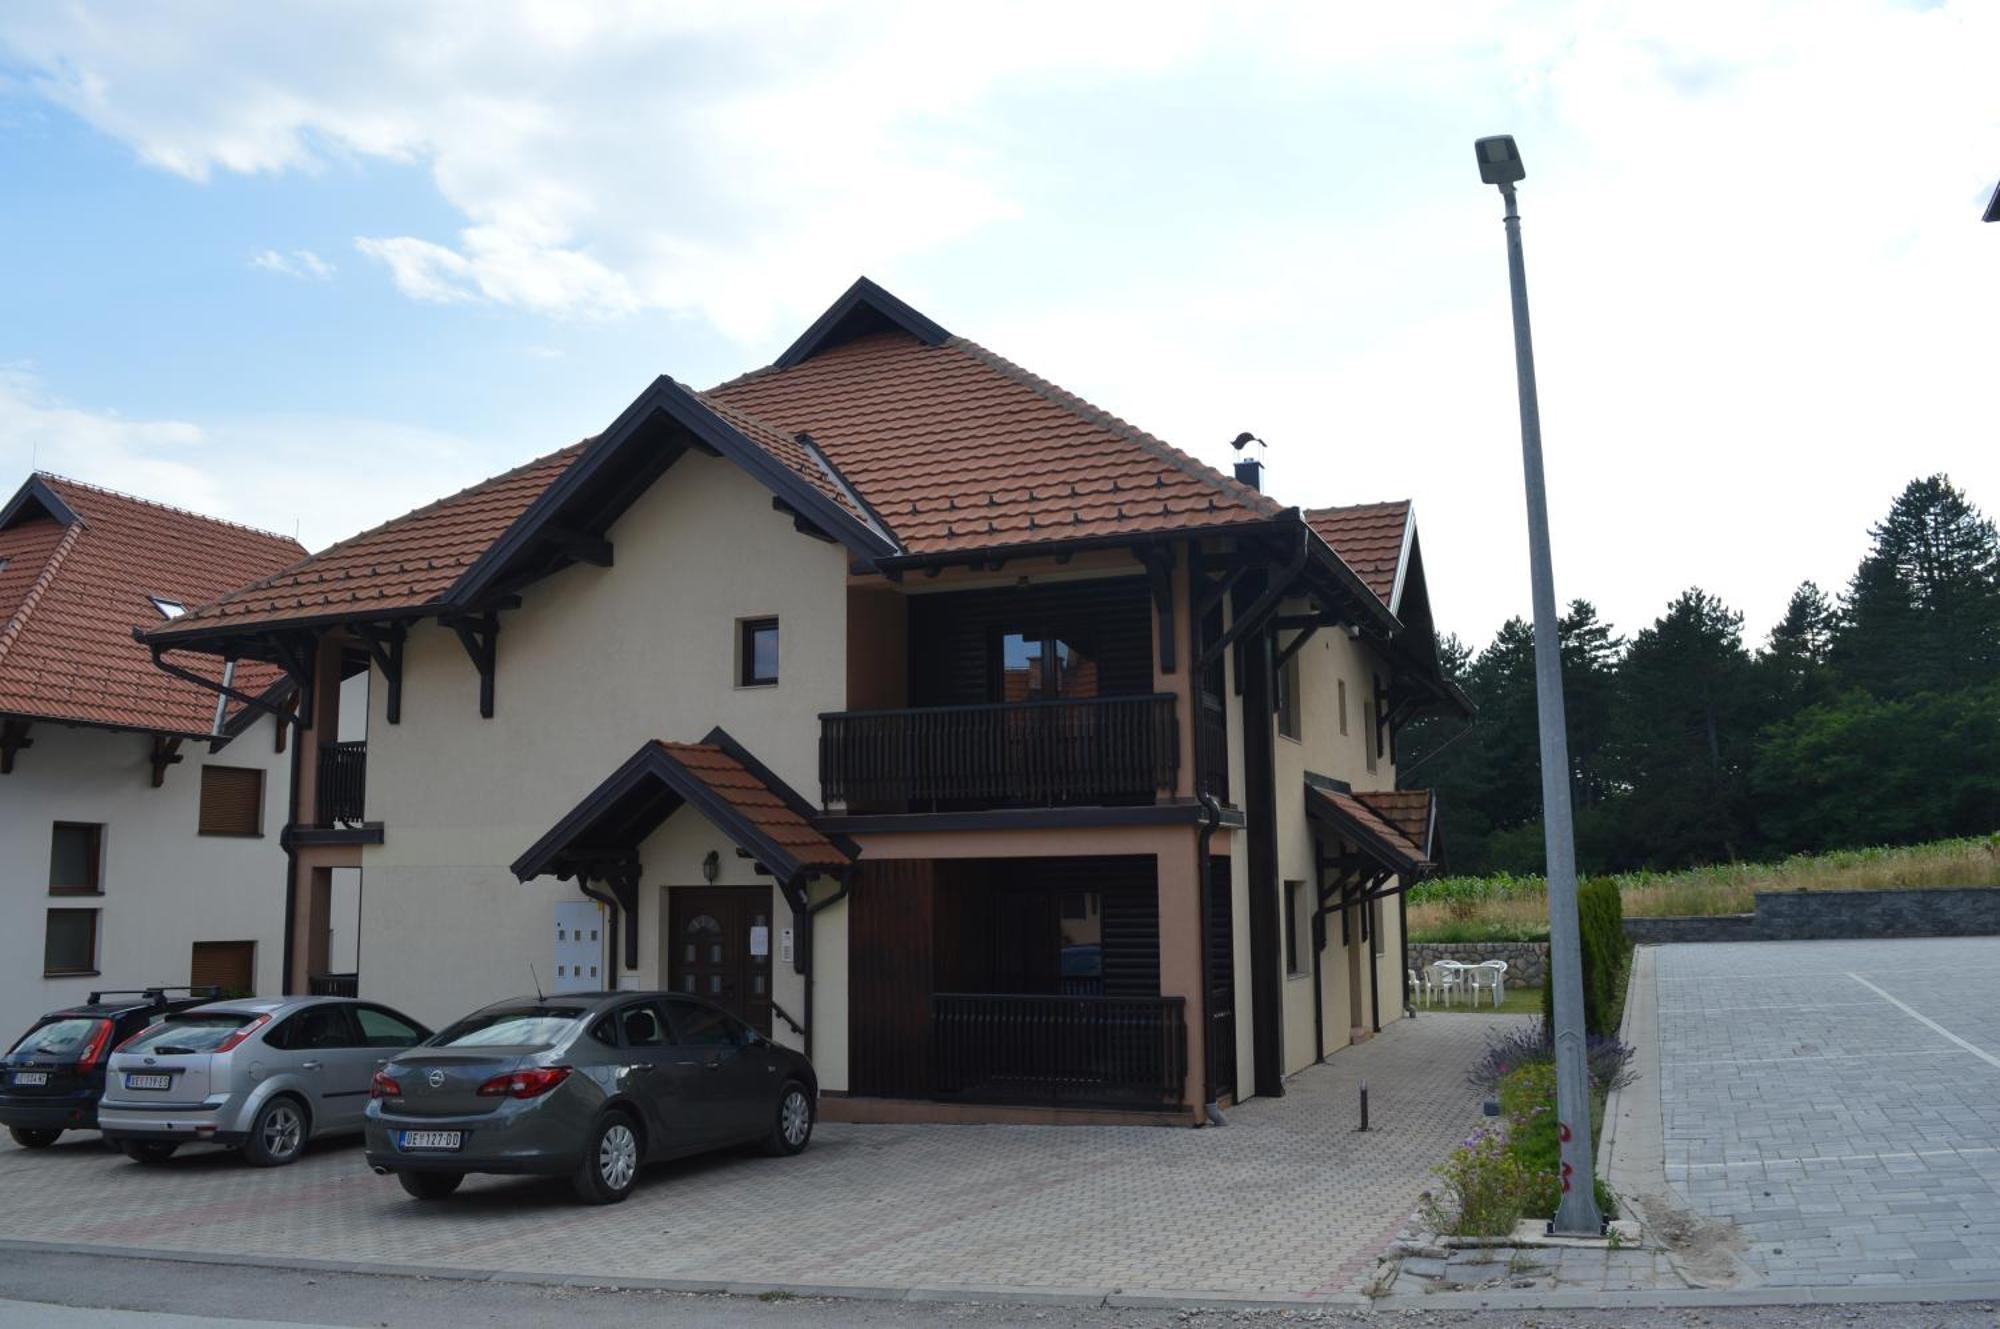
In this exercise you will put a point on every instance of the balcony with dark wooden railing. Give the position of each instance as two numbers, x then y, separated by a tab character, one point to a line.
1097	750
1060	1051
342	784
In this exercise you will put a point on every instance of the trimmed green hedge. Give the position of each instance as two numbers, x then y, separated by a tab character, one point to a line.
1600	918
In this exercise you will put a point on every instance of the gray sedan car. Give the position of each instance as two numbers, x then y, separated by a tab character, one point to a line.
588	1087
264	1075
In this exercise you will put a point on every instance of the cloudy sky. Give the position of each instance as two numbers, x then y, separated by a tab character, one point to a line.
310	266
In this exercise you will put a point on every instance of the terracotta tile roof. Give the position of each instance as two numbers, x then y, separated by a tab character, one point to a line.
1367	821
70	596
941	448
1408	810
1368	537
958	449
762	806
404	564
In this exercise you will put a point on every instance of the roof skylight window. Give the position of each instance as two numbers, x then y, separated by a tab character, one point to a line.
168	608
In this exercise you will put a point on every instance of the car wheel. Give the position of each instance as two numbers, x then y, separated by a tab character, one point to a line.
430	1185
31	1137
610	1161
792	1129
278	1134
150	1152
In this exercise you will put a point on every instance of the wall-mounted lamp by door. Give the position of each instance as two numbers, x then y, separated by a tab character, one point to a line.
711	867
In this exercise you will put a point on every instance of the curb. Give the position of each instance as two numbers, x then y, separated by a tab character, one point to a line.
1081	1298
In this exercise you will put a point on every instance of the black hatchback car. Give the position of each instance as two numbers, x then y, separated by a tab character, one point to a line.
51	1079
589	1087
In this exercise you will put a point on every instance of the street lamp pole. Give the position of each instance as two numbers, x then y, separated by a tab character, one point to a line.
1576	1215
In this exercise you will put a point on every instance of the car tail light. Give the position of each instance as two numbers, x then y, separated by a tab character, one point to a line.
531	1083
235	1040
384	1086
95	1048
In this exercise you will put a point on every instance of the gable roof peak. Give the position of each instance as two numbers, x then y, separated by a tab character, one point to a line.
863	308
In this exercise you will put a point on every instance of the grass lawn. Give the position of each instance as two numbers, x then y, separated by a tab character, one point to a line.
1508	907
1518	1001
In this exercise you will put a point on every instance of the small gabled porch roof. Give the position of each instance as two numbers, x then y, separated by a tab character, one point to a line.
1394	829
761	814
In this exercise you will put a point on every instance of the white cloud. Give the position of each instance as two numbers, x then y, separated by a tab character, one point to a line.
1763	301
316	476
302	263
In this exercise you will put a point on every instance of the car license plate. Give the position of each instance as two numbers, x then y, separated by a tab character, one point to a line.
149	1081
432	1139
31	1077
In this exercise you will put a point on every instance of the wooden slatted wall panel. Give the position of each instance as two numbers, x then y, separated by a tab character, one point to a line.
889	925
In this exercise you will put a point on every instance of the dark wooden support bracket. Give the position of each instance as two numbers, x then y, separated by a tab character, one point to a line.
1298	642
295	655
622	877
13	738
579	545
480	637
385	648
802	525
287	712
1159	561
166	752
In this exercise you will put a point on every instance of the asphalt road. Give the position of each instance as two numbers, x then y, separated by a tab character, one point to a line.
47	1291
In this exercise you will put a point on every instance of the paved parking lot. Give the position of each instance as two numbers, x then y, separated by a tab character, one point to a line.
1286	1200
1840	1102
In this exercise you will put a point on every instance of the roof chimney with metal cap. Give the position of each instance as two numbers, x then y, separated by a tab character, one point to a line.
1249	470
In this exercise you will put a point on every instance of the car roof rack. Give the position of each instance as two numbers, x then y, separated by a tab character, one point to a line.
155	996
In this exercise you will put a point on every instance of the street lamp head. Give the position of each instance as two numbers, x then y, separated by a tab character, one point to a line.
1499	160
1993	206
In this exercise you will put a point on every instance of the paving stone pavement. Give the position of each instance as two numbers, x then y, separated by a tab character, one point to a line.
1839	1101
1287	1199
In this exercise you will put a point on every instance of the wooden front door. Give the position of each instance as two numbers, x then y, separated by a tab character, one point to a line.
720	939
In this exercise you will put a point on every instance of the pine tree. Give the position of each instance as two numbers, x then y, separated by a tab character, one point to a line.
1923	611
1685	733
1793	665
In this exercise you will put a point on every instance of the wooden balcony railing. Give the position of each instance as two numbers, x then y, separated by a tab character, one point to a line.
1113	1051
1019	754
343	783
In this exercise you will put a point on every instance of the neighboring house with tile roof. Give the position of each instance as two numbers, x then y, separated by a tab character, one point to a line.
891	697
140	816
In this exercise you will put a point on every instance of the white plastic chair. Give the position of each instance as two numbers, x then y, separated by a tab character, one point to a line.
1488	977
1443	979
1416	988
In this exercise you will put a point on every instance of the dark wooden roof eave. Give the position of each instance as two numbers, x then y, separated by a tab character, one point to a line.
556	853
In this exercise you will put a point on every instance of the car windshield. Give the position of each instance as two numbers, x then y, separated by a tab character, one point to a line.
64	1038
183	1034
510	1026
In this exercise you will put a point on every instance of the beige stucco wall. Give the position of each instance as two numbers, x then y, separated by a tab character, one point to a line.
165	886
1329	658
594	662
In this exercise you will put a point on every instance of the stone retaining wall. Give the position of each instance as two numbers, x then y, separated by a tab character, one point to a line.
1719	927
1813	915
1527	961
1972	911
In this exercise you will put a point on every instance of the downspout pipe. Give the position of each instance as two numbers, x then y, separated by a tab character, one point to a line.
1211	818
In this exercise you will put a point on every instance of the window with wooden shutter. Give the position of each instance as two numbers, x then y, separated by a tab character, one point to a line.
76	859
228	965
232	800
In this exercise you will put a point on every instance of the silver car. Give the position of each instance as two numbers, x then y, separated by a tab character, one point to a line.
263	1075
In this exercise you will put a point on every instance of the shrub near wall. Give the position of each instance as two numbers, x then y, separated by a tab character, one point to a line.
1600	920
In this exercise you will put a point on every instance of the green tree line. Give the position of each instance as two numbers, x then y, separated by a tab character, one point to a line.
1871	717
